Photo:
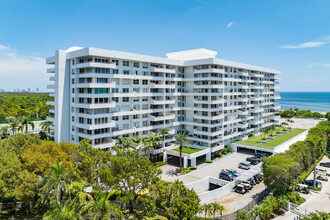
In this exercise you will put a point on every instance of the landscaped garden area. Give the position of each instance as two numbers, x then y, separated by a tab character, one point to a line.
187	150
275	141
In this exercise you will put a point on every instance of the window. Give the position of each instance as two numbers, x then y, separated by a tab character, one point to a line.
115	61
125	90
136	124
125	99
145	65
136	81
126	72
125	117
135	116
145	82
115	71
72	99
72	81
115	99
136	64
125	126
125	63
72	90
102	80
101	90
114	90
125	82
73	118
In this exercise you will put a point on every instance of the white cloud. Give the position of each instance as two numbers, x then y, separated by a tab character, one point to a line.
311	65
229	24
311	44
4	47
20	71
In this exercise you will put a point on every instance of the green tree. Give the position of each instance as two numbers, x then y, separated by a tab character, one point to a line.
56	181
206	209
242	215
66	211
181	140
13	125
315	148
4	131
151	143
177	201
24	124
327	116
128	173
99	206
216	208
163	133
45	126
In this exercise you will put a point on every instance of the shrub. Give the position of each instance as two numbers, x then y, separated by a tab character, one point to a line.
159	164
220	154
208	161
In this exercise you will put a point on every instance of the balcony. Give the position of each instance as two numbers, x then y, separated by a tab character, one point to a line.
109	144
242	125
50	103
162	102
162	118
161	70
209	70
201	101
52	78
96	85
94	106
241	73
256	110
50	118
161	86
211	117
51	70
50	60
209	86
97	65
111	123
257	75
51	86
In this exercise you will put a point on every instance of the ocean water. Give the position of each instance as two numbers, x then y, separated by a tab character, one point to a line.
314	101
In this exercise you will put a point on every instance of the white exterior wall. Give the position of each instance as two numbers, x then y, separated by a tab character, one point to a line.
222	100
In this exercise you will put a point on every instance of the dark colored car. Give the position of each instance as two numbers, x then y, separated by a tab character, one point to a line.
310	183
253	160
234	172
240	189
226	175
325	164
260	155
252	181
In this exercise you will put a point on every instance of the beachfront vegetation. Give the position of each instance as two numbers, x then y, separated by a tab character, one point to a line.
302	114
284	171
19	105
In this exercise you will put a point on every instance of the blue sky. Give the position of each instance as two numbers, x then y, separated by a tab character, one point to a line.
291	36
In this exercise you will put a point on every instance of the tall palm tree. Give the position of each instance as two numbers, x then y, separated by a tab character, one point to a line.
45	125
100	207
151	143
163	133
56	181
217	208
25	122
13	125
181	140
315	147
124	143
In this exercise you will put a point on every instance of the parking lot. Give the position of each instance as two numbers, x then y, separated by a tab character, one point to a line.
230	161
232	201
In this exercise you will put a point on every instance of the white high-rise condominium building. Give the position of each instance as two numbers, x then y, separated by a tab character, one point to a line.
104	94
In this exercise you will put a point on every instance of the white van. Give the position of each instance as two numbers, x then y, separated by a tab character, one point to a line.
244	165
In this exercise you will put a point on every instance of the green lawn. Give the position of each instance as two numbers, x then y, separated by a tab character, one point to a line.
271	143
187	150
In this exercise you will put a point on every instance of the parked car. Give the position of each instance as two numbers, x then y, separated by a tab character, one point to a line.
240	189
244	165
234	172
260	155
248	184
255	162
226	175
322	177
252	181
249	159
310	183
258	178
302	188
325	164
324	171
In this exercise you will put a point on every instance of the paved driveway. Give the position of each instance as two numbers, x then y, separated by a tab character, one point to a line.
230	161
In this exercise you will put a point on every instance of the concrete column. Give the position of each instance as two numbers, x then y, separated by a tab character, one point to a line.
208	156
185	162
164	156
193	162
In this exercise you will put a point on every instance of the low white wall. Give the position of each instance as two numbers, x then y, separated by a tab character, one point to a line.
207	196
286	145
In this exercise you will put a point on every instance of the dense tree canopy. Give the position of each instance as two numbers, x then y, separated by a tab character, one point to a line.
302	113
31	105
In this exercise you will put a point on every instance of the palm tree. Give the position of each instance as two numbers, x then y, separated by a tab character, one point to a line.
315	147
217	208
163	133
25	124
100	207
242	215
66	212
181	140
151	143
124	143
206	209
136	140
45	125
290	121
13	125
56	181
